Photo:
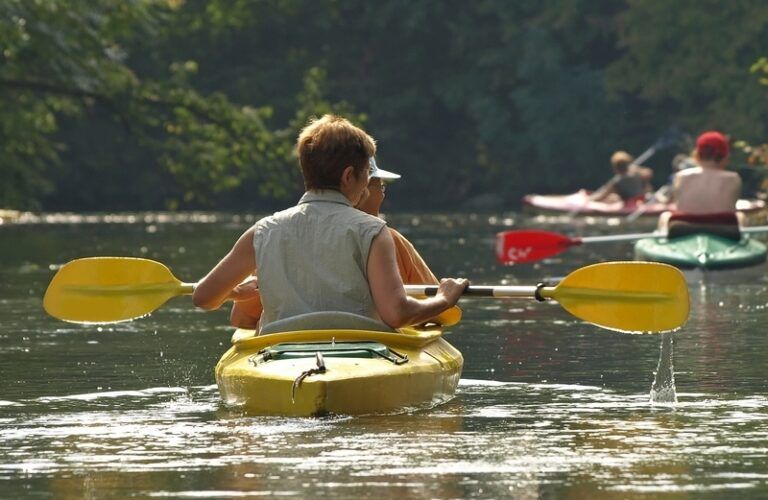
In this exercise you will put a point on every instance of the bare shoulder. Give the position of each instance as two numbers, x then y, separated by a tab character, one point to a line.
641	170
383	238
688	172
728	177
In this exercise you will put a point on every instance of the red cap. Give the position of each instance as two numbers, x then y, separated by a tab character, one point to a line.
712	144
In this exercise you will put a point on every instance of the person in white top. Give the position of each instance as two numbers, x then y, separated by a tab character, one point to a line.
706	188
324	254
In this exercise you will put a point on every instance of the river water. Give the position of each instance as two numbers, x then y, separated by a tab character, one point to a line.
547	407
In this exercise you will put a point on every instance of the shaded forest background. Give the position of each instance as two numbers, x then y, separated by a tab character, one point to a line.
174	104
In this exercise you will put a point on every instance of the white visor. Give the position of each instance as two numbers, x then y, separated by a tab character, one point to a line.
380	173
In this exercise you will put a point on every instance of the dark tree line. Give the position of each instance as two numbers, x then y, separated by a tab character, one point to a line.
109	105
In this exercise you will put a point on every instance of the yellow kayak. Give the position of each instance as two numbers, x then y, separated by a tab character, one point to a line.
345	370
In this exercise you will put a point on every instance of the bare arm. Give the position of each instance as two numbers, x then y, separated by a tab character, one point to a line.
604	190
645	173
737	185
393	305
220	284
674	193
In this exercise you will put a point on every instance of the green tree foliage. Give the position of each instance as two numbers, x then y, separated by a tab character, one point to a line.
755	154
464	97
691	60
137	104
72	63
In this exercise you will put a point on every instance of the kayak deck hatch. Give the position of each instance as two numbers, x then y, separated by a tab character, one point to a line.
298	350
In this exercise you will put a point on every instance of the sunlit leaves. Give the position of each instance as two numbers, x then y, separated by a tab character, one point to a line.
757	155
69	59
183	103
761	68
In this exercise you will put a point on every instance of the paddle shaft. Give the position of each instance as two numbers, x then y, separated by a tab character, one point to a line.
576	240
640	236
477	291
412	290
662	191
646	154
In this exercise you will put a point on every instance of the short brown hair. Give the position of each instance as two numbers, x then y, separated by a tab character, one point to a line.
328	145
621	160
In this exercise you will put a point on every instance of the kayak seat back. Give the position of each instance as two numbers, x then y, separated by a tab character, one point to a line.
725	225
718	218
679	229
325	320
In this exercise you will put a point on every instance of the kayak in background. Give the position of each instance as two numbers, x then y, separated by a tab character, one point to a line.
337	363
579	204
8	215
704	255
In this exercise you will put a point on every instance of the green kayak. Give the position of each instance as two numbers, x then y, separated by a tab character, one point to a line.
702	251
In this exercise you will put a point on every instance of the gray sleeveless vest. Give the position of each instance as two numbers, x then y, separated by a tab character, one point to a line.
314	256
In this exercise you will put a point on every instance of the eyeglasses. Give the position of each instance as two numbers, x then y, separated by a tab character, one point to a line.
378	185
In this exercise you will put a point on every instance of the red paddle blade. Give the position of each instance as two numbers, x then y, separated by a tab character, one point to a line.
515	247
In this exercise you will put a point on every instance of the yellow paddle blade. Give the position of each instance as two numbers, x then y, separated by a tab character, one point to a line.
449	317
626	296
110	289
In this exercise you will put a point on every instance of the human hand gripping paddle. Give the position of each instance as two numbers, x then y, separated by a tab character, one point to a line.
517	247
624	296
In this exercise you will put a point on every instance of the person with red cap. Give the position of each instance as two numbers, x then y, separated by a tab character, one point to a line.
706	189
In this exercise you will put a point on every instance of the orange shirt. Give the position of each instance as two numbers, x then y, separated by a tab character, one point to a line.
413	269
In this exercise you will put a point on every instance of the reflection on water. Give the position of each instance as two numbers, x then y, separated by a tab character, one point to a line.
501	437
548	406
